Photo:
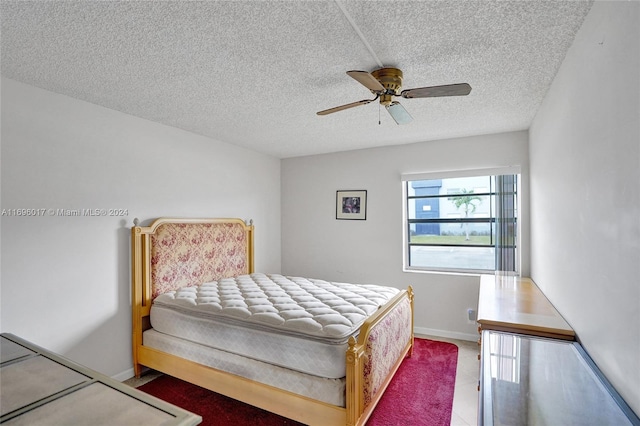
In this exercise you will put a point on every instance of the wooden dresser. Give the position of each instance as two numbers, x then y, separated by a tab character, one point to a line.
532	371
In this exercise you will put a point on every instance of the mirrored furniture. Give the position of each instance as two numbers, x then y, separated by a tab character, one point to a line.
40	387
530	380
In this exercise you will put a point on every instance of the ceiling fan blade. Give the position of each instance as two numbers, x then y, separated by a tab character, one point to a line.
347	106
367	80
461	89
399	114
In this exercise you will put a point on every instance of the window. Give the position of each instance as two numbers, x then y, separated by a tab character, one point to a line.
505	357
461	222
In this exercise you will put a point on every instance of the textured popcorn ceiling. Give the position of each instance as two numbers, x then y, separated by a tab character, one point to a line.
254	73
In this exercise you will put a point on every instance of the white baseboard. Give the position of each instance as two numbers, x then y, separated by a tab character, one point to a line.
121	377
447	334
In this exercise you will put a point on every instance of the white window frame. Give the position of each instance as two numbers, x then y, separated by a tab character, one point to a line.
449	174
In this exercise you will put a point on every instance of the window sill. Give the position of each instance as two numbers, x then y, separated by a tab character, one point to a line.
469	273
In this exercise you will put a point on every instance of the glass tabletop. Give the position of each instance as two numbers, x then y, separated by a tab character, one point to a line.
40	387
536	381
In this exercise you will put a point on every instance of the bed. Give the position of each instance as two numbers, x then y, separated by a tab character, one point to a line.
200	311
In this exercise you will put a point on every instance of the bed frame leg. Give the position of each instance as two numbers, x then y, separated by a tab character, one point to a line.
411	297
137	370
354	385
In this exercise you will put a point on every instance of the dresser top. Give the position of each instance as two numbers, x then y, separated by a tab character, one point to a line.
516	304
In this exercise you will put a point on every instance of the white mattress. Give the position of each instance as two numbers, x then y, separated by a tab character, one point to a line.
293	322
331	391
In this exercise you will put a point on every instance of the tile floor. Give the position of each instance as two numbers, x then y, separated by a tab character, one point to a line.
465	397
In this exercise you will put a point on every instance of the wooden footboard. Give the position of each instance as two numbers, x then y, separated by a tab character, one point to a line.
372	359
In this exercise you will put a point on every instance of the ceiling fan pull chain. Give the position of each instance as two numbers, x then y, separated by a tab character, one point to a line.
379	122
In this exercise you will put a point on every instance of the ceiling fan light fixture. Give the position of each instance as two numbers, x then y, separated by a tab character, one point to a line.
398	113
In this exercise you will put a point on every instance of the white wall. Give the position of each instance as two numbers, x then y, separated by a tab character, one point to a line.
585	192
315	244
65	280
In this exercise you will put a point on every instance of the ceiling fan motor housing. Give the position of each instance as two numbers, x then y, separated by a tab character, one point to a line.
391	80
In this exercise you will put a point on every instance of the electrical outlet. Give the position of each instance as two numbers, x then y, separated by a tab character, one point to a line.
471	316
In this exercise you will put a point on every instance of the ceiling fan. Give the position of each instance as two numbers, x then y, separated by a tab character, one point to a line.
385	83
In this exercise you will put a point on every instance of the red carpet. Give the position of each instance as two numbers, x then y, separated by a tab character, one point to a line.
421	393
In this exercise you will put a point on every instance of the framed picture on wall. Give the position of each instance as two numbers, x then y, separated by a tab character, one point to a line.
351	205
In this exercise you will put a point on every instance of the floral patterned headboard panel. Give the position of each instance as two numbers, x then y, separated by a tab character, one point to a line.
184	253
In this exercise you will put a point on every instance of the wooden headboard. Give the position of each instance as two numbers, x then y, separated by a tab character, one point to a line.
179	252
